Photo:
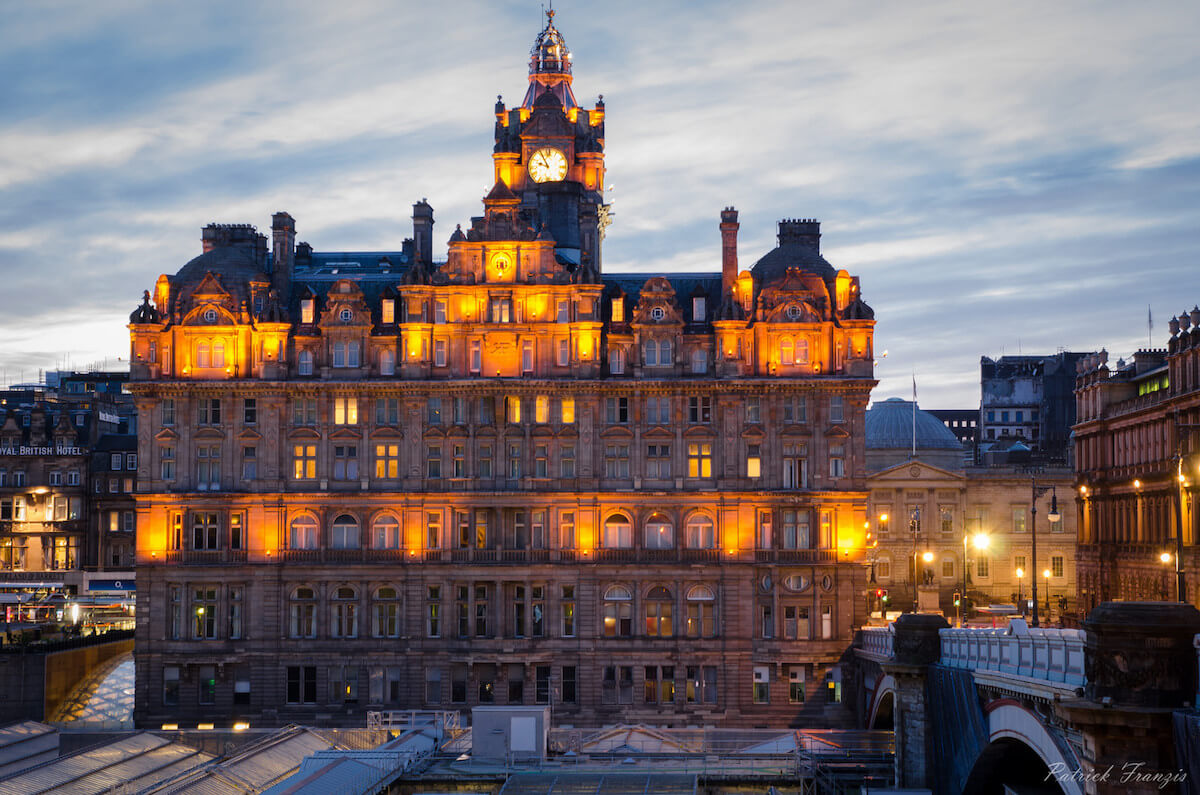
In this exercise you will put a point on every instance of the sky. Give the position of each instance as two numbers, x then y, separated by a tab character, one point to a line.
1004	177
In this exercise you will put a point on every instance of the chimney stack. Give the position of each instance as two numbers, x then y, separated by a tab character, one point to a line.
729	261
283	247
423	231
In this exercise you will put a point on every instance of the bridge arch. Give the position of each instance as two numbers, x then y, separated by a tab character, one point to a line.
883	704
1022	751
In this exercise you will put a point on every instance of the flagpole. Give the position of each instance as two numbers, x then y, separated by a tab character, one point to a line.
914	417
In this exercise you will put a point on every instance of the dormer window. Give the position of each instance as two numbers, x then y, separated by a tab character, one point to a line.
258	304
389	310
618	310
698	309
306	310
793	312
658	313
346	315
210	316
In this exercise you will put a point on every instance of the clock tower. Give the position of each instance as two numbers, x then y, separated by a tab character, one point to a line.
550	153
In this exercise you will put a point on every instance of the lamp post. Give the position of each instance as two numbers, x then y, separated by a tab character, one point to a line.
914	526
1046	574
1167	558
1053	516
1020	593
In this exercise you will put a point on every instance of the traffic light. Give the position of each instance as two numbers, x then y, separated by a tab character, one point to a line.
884	594
878	593
957	599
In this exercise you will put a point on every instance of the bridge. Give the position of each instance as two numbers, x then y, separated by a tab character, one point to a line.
1109	708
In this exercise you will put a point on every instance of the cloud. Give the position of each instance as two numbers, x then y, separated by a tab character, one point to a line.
1023	174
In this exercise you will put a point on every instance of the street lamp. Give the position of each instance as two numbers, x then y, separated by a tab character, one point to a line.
1020	593
1052	516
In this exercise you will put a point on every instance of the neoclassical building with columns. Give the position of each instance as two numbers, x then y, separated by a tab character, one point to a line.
369	480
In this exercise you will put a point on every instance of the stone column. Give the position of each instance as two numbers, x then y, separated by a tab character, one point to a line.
916	646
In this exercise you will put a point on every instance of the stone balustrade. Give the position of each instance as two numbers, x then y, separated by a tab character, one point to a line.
1048	655
878	640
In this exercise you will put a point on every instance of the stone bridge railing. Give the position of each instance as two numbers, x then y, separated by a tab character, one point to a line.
1047	655
878	640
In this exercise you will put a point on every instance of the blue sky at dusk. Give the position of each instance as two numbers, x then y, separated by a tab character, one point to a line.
1003	177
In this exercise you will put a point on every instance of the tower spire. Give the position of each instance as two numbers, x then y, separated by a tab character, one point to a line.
550	66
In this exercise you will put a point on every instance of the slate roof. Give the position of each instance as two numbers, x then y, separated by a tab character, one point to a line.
774	263
686	286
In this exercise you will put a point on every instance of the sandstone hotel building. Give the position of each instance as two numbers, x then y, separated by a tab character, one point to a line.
372	480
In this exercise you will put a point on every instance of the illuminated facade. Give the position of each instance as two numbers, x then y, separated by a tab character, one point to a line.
1137	467
375	481
976	517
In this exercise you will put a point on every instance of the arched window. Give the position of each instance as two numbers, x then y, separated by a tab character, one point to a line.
699	362
387	363
343	619
618	612
801	351
701	612
386	622
659	612
660	534
664	353
305	363
345	533
787	351
302	613
385	532
203	358
618	533
218	353
700	533
303	533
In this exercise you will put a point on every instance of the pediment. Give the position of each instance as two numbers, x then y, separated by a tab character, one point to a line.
914	469
616	432
304	433
793	431
210	288
542	430
753	432
209	432
458	431
249	434
837	432
699	432
346	433
434	433
387	433
166	435
658	432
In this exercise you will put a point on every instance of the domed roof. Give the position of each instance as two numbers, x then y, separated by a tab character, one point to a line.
799	247
890	426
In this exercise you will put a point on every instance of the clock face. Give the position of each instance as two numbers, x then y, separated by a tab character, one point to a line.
547	165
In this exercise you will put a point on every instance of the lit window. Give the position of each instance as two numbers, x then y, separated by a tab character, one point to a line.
618	612
567	410
388	310
306	310
387	461
541	409
659	609
512	406
618	310
699	460
787	351
439	311
345	411
701	533
659	533
753	461
304	461
618	532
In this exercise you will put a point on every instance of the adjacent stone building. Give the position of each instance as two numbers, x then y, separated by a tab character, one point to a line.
1137	468
1027	400
372	480
930	503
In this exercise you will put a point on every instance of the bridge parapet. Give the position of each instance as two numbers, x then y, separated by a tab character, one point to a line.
1048	655
878	641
